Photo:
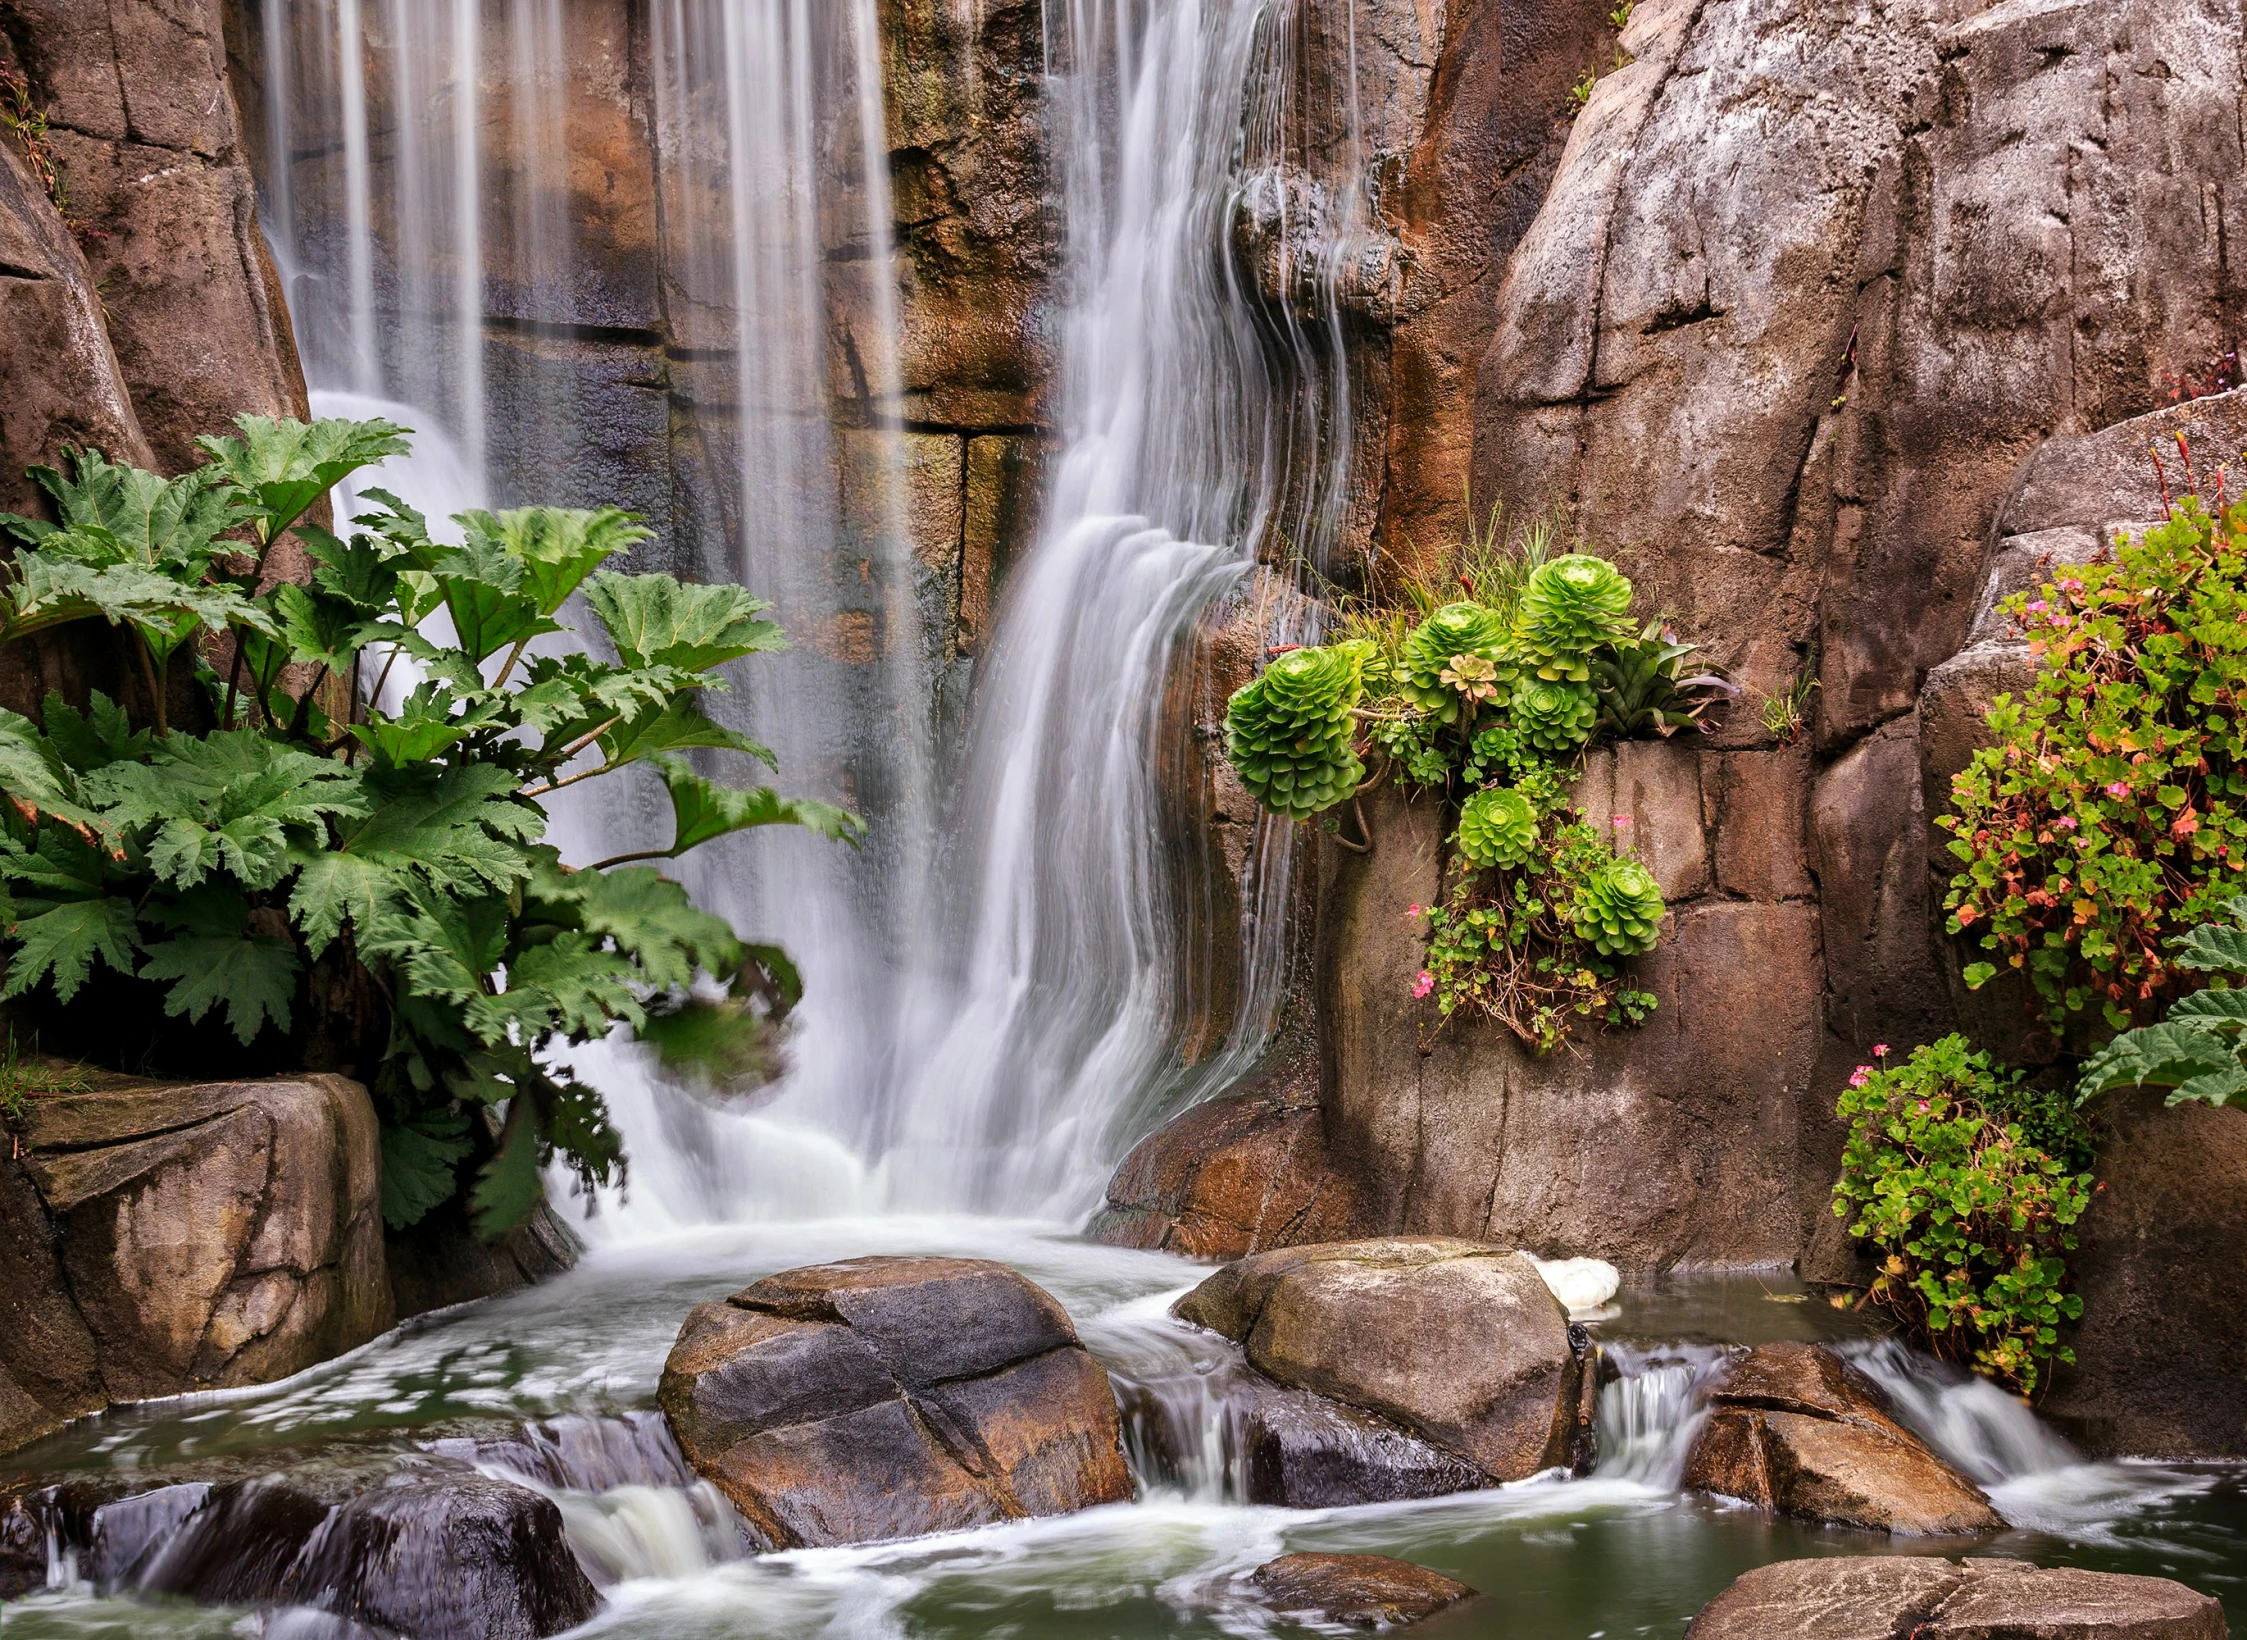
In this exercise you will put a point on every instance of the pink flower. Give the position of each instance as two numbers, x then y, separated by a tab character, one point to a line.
2118	789
1622	819
1880	1050
2039	607
2066	822
1862	1075
1423	985
1411	912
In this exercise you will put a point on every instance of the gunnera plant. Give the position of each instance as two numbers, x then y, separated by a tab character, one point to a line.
1571	606
1289	732
1458	630
1555	718
1497	828
1619	908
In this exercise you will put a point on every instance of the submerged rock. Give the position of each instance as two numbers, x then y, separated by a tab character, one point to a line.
889	1397
429	1549
1361	1591
1874	1599
1460	1342
1796	1430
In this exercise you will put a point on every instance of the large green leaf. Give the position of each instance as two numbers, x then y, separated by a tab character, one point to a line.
419	1156
151	519
701	809
460	825
2214	1009
65	940
650	918
558	546
317	629
333	889
485	594
656	621
252	974
225	800
280	468
2213	947
428	723
510	1187
87	741
2167	1055
678	726
35	776
47	590
360	572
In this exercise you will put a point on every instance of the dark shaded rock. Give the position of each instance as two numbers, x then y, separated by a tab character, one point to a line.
23	1550
1877	1599
888	1397
2157	1374
441	1261
1795	1430
1228	1177
1305	1451
186	1236
1359	1591
427	1548
1458	1341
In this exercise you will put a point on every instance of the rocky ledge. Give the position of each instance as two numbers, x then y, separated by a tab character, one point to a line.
1798	1431
1457	1344
888	1397
1877	1599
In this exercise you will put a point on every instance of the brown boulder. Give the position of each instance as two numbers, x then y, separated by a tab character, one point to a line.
888	1397
1458	1341
1875	1599
170	1237
1359	1591
1795	1430
1229	1177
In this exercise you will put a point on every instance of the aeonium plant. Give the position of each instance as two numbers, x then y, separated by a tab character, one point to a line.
372	885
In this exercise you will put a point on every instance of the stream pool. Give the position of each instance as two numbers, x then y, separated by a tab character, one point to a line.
1621	1552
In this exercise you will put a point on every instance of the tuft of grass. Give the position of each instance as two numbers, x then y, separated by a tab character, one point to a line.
1787	713
22	1080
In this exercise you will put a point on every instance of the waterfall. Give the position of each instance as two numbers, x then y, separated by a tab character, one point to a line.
1203	427
990	1034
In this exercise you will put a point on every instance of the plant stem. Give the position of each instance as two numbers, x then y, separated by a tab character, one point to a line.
155	684
627	859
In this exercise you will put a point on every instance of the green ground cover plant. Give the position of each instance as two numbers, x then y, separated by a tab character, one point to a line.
1967	1183
370	884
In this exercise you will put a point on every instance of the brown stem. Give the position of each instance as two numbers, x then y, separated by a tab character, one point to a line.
156	713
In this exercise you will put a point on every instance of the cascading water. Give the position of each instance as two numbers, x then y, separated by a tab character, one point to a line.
1203	427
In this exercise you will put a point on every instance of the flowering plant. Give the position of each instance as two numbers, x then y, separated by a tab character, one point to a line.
2108	814
1968	1184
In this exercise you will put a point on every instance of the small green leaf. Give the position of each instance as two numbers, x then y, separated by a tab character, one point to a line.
65	941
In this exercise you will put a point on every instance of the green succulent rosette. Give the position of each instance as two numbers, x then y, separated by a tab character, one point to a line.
1555	718
1289	733
1497	827
1619	909
1453	630
1570	607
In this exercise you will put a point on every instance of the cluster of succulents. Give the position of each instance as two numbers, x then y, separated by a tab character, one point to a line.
1289	733
1456	632
1570	607
1619	908
1497	828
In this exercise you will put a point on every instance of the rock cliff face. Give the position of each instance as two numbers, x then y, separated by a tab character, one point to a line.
1809	293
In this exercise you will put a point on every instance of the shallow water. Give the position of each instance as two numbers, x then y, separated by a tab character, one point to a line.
1617	1553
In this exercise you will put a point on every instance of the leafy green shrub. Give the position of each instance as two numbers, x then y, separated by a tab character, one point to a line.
1289	733
1497	827
376	885
2195	1052
2108	812
1968	1184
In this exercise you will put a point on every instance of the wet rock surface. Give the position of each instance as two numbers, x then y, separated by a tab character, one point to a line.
1876	1599
1794	1429
163	1237
887	1397
1229	1177
1458	1341
426	1548
1358	1591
